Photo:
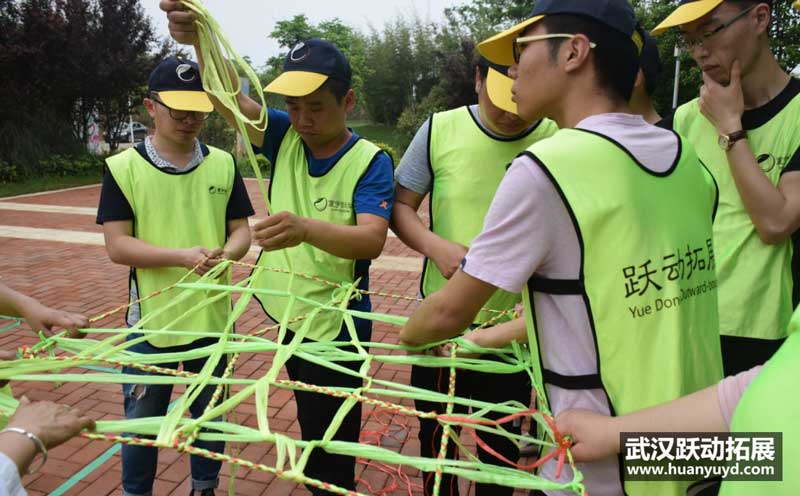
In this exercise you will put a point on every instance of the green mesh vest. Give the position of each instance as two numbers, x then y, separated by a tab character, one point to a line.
176	210
327	198
756	280
770	404
646	278
467	166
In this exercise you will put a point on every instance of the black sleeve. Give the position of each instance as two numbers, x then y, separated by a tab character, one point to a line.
794	163
113	204
239	206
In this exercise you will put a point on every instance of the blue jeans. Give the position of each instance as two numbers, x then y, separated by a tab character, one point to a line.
139	463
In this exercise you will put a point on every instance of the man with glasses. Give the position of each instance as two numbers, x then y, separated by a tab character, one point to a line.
168	205
744	128
459	157
590	224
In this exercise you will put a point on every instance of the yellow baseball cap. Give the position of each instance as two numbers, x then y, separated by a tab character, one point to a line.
177	82
688	11
498	87
308	65
616	14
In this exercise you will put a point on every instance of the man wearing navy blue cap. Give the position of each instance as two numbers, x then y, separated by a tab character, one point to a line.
167	205
459	157
331	194
588	225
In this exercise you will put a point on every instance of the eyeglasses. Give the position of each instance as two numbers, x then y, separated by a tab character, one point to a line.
688	43
520	43
180	115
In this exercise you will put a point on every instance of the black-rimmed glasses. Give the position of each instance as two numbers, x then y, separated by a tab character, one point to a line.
687	43
180	115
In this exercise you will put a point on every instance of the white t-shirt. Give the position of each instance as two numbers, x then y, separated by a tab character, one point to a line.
10	483
528	230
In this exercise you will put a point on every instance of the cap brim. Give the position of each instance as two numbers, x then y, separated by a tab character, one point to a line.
686	13
296	83
197	101
499	49
498	87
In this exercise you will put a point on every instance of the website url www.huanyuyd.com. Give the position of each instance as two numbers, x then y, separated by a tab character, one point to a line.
702	471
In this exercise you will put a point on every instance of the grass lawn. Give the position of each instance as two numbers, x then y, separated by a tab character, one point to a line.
37	184
380	133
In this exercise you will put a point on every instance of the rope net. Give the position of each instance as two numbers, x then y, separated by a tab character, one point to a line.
388	405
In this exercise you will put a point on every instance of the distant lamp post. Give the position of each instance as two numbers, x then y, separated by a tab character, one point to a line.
677	54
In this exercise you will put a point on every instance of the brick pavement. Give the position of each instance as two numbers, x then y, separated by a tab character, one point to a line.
78	276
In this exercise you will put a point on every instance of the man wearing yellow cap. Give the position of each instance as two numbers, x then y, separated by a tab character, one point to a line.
744	128
331	194
459	157
592	224
168	205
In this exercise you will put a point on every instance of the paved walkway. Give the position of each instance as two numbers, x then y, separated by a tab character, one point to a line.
53	250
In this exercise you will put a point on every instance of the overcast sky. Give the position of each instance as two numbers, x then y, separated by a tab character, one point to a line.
247	23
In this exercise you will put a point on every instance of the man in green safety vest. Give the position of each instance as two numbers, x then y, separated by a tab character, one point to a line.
167	205
459	157
591	224
331	194
744	129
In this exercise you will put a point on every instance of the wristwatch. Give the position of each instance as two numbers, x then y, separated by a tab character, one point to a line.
726	141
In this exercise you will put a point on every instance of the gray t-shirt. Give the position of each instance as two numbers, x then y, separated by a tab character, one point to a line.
414	171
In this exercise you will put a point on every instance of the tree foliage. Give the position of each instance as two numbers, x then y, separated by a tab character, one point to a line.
63	60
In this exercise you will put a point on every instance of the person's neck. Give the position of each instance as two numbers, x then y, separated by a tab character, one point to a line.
763	82
644	107
330	147
579	105
179	153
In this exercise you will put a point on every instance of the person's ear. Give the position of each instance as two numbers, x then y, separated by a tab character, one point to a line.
478	81
763	16
575	52
349	101
640	82
150	106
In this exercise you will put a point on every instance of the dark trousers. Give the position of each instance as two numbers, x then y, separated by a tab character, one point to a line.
491	388
315	412
740	354
139	463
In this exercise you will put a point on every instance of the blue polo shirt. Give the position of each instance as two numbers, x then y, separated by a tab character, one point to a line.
374	195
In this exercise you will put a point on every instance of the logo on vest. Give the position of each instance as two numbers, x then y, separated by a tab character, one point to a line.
216	190
678	277
322	204
766	162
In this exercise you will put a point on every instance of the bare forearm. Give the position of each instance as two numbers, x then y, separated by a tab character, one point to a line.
133	252
764	202
249	107
238	242
411	230
350	242
19	449
501	335
12	303
435	320
697	412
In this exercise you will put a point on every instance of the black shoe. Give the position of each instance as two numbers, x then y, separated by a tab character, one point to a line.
204	492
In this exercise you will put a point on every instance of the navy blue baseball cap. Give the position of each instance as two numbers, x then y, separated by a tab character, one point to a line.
616	14
177	82
308	65
650	63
